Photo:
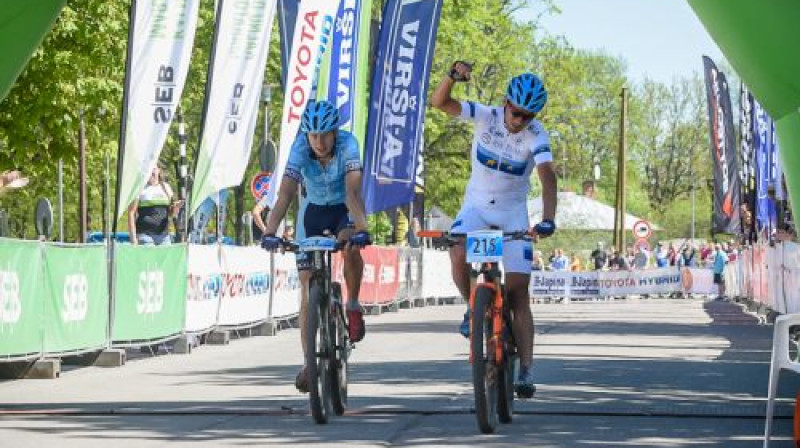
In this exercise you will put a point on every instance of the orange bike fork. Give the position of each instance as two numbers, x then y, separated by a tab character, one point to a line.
496	308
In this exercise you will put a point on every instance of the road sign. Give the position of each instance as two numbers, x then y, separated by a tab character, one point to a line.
260	184
642	229
642	242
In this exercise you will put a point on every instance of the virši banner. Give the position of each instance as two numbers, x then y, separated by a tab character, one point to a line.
21	299
149	293
76	298
397	105
315	22
595	284
236	74
160	48
723	151
246	286
204	287
343	73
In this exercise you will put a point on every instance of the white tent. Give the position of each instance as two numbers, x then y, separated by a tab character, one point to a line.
437	219
579	212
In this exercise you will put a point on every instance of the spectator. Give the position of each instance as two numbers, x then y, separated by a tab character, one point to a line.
706	252
672	255
629	254
149	214
641	257
720	260
560	261
537	264
599	257
662	259
260	212
576	265
617	262
689	256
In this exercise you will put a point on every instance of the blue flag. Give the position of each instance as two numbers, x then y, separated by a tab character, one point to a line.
764	142
397	106
287	16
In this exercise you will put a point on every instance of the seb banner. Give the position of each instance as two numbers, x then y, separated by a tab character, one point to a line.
723	151
21	298
149	292
604	283
343	75
235	80
397	107
76	299
204	288
159	51
315	21
245	286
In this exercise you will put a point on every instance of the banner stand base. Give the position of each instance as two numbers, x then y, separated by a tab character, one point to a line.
46	369
111	357
219	337
268	328
184	344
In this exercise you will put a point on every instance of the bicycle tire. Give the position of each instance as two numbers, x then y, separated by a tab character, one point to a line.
342	353
484	370
505	395
317	358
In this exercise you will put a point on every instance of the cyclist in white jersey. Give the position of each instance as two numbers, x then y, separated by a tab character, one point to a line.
508	143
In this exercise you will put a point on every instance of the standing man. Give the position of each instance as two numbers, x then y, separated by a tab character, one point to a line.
327	160
508	144
720	260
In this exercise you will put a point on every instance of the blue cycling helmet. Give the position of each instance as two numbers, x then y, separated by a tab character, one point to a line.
319	117
527	91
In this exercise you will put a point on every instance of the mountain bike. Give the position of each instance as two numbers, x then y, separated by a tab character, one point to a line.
493	352
327	344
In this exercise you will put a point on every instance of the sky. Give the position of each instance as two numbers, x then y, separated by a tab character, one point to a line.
659	39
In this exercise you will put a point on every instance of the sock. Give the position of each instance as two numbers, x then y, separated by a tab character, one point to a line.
353	305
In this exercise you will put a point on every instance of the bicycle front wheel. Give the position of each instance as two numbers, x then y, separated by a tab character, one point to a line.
484	371
341	352
318	353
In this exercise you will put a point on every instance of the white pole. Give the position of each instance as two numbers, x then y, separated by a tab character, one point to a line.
61	200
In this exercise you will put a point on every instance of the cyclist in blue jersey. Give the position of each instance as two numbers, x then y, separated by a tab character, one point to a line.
327	160
508	144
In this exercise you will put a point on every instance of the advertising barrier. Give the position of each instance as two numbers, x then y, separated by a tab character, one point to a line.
604	283
437	280
285	287
21	299
380	284
76	298
246	284
149	293
203	288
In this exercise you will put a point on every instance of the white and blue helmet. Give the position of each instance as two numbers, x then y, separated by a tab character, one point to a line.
527	91
319	117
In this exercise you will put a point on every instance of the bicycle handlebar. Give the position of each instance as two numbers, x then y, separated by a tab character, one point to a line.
454	237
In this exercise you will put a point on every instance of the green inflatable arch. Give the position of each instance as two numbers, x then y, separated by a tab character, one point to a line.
23	25
761	39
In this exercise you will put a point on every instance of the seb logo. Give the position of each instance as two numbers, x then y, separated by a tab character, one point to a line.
76	298
10	304
151	292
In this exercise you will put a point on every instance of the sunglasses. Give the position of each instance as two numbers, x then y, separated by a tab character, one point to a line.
516	113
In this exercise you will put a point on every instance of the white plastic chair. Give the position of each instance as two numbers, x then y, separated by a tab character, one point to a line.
780	361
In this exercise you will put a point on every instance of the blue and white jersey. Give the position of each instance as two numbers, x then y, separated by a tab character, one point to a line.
502	162
324	186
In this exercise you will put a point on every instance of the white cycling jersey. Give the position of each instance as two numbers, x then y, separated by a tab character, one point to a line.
502	162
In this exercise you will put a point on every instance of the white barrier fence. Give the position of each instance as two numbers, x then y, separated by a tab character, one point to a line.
767	275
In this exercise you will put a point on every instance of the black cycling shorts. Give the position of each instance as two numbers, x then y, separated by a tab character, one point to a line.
315	220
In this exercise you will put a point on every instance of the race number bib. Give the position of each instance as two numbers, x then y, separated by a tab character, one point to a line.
484	246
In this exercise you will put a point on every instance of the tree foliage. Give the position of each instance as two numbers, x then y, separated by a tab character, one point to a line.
81	66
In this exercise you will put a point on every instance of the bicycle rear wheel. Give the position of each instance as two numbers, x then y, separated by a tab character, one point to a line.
484	371
318	351
341	352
